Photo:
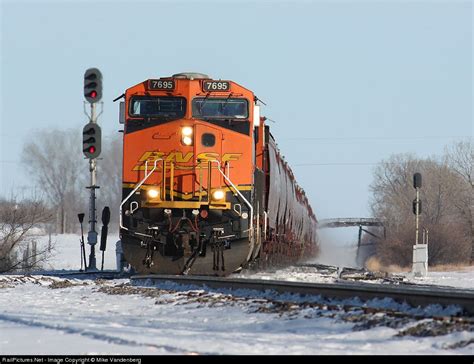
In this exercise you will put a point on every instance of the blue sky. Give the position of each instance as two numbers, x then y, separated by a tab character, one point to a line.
348	83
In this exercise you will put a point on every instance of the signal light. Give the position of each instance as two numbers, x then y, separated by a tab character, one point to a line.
91	140
417	180
93	85
414	206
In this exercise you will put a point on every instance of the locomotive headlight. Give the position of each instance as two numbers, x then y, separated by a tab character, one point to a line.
187	131
153	193
218	195
187	135
187	140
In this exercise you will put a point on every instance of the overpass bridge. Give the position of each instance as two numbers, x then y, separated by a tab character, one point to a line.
363	250
347	222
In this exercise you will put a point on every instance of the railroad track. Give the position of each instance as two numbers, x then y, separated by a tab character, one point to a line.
413	295
96	274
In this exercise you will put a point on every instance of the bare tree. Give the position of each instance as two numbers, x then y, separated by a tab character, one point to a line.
109	177
54	159
18	221
393	195
460	158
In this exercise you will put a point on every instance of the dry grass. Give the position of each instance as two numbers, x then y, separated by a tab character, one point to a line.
452	268
374	265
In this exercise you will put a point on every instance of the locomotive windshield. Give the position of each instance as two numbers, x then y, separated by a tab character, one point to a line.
158	107
214	108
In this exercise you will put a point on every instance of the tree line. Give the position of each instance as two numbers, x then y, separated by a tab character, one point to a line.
58	175
447	206
63	177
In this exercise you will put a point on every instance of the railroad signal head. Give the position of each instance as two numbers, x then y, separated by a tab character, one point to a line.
416	202
91	140
106	215
417	180
93	85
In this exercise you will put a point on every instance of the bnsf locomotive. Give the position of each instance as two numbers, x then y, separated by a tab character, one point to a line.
205	190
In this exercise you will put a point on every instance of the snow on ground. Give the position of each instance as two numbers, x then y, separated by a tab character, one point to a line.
49	315
66	252
295	274
462	278
44	315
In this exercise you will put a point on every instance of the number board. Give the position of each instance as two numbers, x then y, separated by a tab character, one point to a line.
161	84
209	86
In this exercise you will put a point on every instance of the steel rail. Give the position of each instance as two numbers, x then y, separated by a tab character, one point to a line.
413	295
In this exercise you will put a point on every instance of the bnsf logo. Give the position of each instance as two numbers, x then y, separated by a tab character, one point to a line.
180	158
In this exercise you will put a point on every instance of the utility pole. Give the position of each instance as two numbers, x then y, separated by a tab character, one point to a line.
91	146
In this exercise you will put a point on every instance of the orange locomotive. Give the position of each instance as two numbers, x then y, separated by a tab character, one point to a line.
205	190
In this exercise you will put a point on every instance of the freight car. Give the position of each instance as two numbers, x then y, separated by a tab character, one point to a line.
205	189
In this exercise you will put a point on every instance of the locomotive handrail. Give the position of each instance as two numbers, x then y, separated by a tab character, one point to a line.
147	175
240	194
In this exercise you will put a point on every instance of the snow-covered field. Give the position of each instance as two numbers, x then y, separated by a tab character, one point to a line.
44	315
66	252
463	278
48	315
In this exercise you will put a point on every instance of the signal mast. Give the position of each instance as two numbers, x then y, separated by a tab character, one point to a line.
91	147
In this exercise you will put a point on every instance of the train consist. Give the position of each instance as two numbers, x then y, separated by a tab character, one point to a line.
205	189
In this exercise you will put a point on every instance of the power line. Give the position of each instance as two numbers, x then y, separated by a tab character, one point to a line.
376	138
345	164
335	164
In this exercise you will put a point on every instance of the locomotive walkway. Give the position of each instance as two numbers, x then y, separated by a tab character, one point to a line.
413	295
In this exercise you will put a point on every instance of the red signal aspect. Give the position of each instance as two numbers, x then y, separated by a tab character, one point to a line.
93	94
91	149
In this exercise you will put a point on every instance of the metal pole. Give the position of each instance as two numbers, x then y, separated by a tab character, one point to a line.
92	234
360	237
417	214
358	245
